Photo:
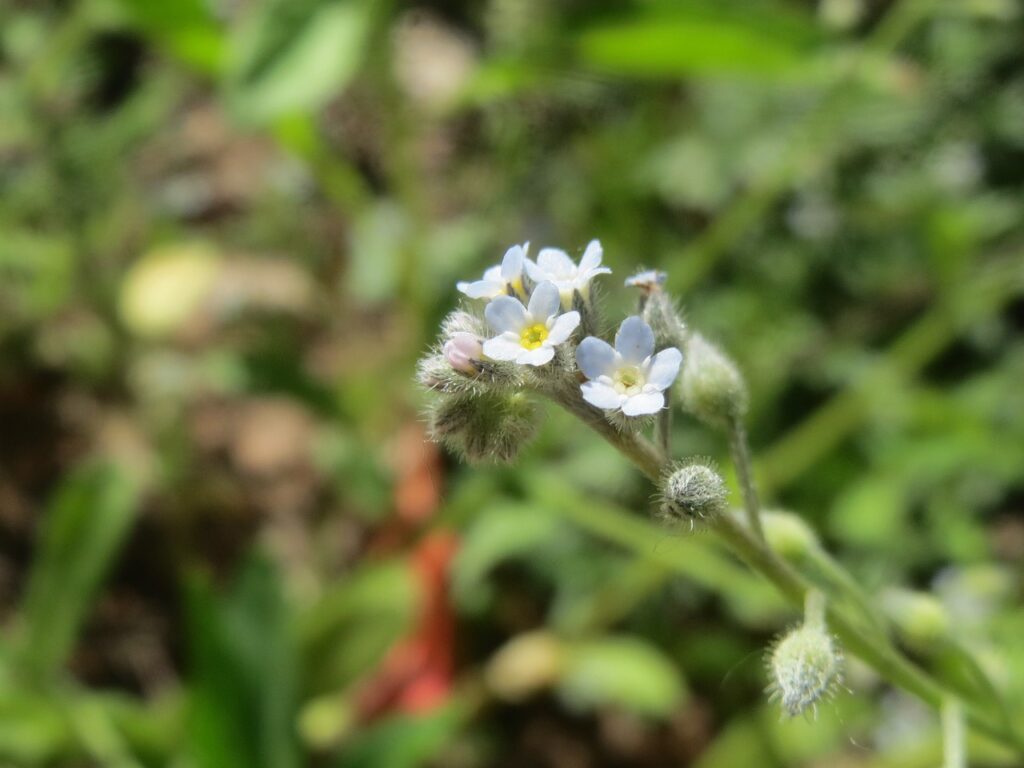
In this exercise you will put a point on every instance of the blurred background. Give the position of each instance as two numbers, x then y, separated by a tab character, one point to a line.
228	228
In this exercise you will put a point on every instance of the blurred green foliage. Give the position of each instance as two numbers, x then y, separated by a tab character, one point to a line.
228	229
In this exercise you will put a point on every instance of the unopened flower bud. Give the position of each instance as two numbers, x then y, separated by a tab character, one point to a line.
922	620
463	351
647	281
788	534
660	312
491	426
711	386
805	668
693	493
461	321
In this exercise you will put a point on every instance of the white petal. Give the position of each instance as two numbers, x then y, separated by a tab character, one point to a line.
482	289
601	395
493	273
635	340
506	314
535	271
512	264
590	274
639	405
545	301
664	367
591	256
562	328
595	357
555	262
504	347
537	356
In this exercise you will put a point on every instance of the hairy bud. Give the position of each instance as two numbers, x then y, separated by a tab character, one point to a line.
805	665
660	312
922	621
463	352
492	426
711	385
788	534
693	493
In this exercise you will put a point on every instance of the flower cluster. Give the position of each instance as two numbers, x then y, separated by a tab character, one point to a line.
520	331
532	328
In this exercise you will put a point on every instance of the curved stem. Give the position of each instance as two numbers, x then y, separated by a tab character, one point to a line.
741	460
874	649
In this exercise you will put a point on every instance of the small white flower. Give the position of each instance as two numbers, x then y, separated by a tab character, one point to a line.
462	351
648	281
528	335
555	266
498	279
629	377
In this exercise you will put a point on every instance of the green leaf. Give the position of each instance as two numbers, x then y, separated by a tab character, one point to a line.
294	55
244	674
500	532
84	527
186	28
350	629
698	38
402	741
622	671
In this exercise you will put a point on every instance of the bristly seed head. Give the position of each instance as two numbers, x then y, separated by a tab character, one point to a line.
693	493
805	668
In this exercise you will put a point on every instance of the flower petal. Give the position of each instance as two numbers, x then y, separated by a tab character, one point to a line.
562	328
635	340
506	314
591	256
595	357
664	367
534	270
601	395
537	356
545	301
504	347
642	404
555	262
512	264
482	289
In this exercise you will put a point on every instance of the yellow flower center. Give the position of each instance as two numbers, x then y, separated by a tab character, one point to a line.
628	380
533	336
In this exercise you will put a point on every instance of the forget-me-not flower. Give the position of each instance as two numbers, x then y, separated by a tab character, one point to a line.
630	377
647	280
528	335
498	279
555	266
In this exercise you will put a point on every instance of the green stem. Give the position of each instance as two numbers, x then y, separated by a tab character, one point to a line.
954	752
828	570
814	608
874	649
740	451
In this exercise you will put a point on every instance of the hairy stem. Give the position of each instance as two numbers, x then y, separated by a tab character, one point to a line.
740	451
871	647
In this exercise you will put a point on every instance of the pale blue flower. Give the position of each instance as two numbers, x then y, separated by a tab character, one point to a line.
528	335
647	280
498	280
630	377
554	265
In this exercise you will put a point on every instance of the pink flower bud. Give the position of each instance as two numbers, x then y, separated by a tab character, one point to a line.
462	351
